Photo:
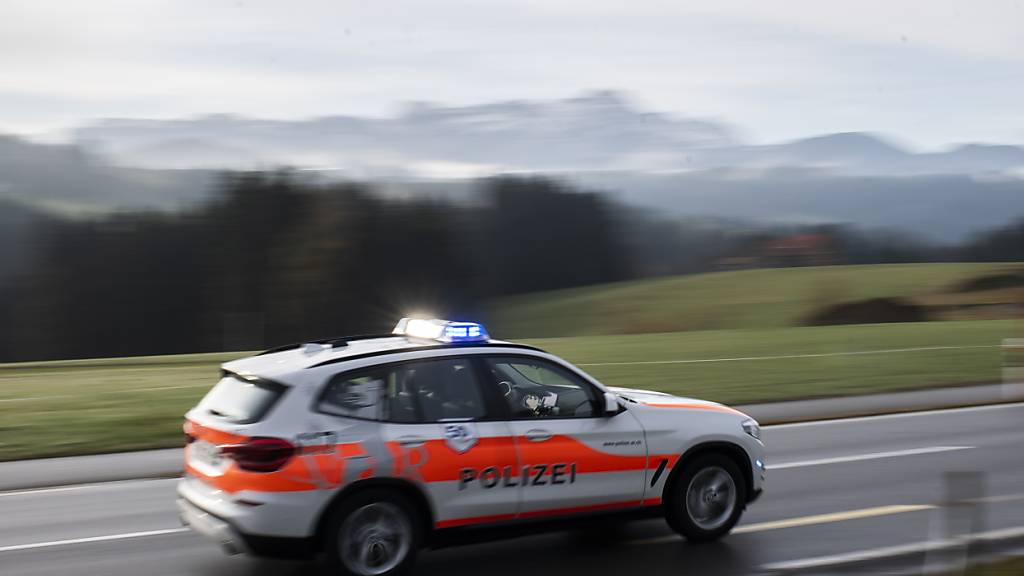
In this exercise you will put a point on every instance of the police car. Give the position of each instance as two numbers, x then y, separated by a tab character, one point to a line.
366	449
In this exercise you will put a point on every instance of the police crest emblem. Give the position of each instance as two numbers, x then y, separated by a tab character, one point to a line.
461	436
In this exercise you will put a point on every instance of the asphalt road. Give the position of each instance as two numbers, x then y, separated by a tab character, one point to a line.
834	487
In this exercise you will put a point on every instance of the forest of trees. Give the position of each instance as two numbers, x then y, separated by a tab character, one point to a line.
276	259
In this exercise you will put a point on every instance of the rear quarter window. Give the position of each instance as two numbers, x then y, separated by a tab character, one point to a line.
241	401
352	396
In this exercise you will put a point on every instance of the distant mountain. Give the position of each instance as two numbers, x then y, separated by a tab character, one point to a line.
599	131
863	154
678	166
981	158
942	208
70	179
851	151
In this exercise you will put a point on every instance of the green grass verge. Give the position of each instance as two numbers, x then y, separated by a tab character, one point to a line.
770	379
94	406
1007	567
103	405
769	298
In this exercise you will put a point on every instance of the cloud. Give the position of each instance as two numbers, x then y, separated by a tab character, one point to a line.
781	69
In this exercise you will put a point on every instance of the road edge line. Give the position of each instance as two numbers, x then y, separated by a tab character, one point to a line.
1006	538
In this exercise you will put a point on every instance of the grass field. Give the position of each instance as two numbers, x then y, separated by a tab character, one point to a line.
770	298
1011	566
828	369
92	406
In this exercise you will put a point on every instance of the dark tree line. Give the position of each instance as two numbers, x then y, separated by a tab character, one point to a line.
274	259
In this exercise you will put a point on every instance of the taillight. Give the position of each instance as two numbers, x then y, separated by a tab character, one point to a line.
260	454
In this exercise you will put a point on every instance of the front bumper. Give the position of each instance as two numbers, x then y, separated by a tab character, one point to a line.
229	539
754	495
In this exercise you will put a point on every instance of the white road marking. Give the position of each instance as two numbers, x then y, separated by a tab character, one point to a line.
792	356
204	385
29	398
909	414
832	517
91	485
822	562
808	520
869	456
89	539
146	389
67	396
796	522
999	499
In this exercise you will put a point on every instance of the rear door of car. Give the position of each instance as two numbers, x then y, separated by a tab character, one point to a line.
447	434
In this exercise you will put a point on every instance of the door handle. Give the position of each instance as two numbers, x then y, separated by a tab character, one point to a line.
411	441
538	435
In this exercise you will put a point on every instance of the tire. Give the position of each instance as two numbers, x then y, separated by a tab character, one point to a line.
375	532
706	498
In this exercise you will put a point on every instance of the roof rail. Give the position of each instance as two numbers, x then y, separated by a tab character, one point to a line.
334	342
453	345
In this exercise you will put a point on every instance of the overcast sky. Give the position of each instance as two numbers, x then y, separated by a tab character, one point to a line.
927	72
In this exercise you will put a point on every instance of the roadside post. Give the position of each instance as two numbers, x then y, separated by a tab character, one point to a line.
957	518
1013	369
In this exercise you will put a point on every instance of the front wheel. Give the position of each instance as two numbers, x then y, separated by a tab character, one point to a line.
373	533
706	498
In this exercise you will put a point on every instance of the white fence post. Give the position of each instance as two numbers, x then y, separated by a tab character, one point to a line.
1013	369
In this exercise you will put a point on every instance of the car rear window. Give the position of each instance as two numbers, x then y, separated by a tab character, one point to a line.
241	401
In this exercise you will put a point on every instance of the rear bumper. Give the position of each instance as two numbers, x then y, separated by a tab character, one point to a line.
232	541
229	539
276	514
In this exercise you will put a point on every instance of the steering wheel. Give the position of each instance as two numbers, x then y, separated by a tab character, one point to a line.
506	388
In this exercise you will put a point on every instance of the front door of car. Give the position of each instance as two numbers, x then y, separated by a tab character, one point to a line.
443	434
573	457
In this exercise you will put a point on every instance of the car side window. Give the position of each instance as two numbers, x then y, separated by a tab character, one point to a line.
535	389
352	396
442	390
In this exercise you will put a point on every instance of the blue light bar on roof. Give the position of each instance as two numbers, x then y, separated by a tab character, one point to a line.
442	330
464	332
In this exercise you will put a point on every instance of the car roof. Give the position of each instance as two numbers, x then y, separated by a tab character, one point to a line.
296	357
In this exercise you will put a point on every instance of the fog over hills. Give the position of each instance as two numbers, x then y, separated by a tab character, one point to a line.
599	131
676	166
943	208
593	131
72	178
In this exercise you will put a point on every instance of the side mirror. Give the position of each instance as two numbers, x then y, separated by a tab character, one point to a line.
611	404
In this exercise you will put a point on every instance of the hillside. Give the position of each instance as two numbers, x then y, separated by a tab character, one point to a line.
72	179
767	298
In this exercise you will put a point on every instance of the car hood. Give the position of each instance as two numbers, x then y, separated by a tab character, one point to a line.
663	400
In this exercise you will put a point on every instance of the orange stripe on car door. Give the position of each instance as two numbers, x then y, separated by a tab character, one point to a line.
565	449
712	407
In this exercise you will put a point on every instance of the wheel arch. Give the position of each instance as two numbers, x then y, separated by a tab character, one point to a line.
408	489
733	451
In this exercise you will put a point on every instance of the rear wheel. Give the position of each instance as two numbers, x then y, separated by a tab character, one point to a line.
706	498
373	533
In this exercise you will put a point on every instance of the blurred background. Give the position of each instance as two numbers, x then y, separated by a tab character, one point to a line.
193	177
745	201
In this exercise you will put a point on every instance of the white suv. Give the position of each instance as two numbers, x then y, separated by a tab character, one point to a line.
367	448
